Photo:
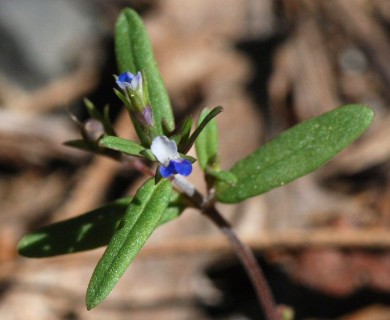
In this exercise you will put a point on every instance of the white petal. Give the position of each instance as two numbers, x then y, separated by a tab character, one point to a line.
164	149
136	82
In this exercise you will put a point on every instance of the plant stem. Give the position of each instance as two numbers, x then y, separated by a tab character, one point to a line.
243	252
248	260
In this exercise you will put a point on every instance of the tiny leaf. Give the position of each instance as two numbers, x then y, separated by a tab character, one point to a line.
102	117
188	157
210	115
122	145
207	142
83	145
148	154
182	135
296	152
93	147
92	110
121	96
223	176
141	218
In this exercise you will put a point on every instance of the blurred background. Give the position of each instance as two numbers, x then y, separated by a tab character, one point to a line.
322	240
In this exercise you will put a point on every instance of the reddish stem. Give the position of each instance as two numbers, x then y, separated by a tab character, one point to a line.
249	262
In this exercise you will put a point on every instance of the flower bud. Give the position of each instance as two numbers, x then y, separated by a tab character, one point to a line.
137	102
93	130
132	86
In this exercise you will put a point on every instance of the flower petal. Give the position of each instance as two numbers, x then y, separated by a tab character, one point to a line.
124	79
167	171
164	150
136	82
182	166
129	80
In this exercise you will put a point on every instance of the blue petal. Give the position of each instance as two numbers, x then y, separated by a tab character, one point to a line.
125	79
167	171
182	166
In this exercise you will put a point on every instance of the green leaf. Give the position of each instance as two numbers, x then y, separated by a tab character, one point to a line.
182	135
207	142
134	53
88	231
141	218
92	110
85	232
210	115
296	152
83	145
223	176
148	154
188	157
92	147
175	208
121	96
123	145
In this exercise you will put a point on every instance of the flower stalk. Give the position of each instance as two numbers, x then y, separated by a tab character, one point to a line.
242	251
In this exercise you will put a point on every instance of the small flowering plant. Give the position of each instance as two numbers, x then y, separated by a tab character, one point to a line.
125	224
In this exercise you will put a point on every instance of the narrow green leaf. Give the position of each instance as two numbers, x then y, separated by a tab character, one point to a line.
296	152
223	176
83	145
207	142
175	208
108	128
141	218
85	232
121	96
92	111
181	136
134	53
123	145
212	114
148	154
188	157
88	231
92	147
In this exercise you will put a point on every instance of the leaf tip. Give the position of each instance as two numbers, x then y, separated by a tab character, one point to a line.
365	111
370	112
21	246
91	299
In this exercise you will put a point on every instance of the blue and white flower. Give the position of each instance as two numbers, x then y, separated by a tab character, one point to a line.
165	151
127	80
